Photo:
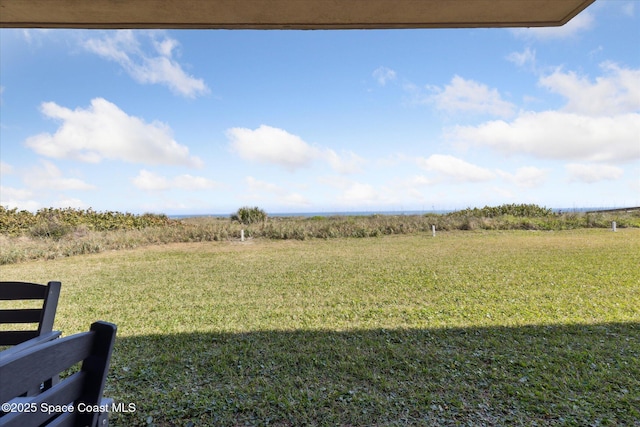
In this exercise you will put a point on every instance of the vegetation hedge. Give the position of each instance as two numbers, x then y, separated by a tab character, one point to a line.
53	233
518	210
55	223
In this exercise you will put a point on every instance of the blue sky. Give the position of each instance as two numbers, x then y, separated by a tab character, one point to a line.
197	122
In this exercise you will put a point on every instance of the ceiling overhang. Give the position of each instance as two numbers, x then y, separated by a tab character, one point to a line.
287	14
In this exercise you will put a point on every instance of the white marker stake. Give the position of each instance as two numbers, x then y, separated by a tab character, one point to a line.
613	226
433	229
242	235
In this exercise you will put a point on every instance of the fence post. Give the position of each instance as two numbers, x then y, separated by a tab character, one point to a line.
433	230
242	235
613	226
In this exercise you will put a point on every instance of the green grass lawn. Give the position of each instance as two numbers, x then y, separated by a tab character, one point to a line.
467	328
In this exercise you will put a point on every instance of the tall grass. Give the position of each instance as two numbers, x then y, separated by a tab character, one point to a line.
51	233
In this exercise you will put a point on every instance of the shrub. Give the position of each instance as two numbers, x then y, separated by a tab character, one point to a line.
247	215
14	222
518	210
54	222
50	228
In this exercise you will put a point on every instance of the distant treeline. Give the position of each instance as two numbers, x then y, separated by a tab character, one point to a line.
55	223
519	210
54	233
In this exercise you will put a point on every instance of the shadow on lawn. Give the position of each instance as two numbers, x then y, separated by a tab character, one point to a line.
533	375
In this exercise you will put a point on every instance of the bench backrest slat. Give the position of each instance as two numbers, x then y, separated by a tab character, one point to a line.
20	315
17	337
64	395
22	370
43	316
36	365
22	290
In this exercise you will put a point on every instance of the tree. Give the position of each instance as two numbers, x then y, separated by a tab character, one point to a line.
247	215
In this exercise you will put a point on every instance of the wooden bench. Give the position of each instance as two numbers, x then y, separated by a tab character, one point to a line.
75	400
43	316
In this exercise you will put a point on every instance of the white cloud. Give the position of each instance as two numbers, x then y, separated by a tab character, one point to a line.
412	188
278	147
526	177
392	160
339	182
41	181
582	22
69	203
634	183
591	173
628	8
596	52
150	181
468	96
18	198
501	193
353	193
349	163
383	75
360	193
295	199
558	135
419	181
48	176
284	197
391	195
526	57
189	182
262	186
599	123
35	36
125	48
272	146
5	168
103	131
455	169
617	92
8	193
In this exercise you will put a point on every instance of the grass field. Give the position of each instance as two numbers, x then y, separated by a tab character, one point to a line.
467	328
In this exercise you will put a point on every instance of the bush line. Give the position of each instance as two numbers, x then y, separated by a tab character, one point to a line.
54	233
